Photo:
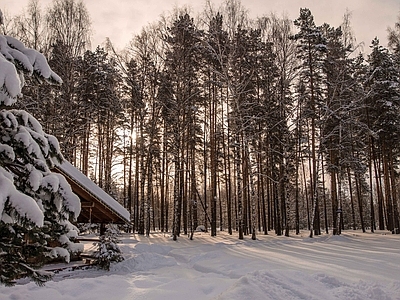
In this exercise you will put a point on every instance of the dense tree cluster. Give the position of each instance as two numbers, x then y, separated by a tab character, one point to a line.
227	122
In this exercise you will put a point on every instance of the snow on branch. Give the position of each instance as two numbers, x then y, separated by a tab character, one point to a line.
17	60
24	205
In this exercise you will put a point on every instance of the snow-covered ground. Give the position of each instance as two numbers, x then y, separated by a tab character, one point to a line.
351	266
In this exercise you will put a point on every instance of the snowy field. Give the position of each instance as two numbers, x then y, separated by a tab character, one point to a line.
351	266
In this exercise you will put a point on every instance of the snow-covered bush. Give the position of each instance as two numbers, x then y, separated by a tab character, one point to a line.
87	228
108	250
36	205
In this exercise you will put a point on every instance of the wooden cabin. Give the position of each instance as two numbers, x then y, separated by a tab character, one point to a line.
96	205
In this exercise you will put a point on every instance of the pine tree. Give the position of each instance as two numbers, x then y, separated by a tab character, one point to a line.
342	129
384	107
214	51
182	108
68	28
311	49
142	83
107	250
101	108
36	205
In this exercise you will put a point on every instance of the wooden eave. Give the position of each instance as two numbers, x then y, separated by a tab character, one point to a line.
93	210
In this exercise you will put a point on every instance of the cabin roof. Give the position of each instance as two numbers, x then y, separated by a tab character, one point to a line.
96	205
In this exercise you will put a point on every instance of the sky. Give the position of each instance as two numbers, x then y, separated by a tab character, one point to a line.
120	20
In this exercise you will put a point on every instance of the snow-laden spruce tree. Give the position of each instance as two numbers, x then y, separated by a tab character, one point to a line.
108	250
36	205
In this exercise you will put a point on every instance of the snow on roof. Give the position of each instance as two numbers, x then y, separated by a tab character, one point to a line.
81	179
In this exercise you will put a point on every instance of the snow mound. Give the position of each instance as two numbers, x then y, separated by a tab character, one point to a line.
368	290
143	262
153	248
290	284
144	257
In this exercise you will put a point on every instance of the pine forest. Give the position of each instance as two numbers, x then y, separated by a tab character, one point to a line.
222	122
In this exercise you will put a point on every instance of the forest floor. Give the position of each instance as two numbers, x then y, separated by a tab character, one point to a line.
353	265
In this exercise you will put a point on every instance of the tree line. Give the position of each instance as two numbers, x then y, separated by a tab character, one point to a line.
223	121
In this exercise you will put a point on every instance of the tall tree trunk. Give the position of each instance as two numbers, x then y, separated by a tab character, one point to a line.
378	189
213	162
227	172
396	223
353	213
360	200
238	159
326	222
163	184
371	191
334	190
388	190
